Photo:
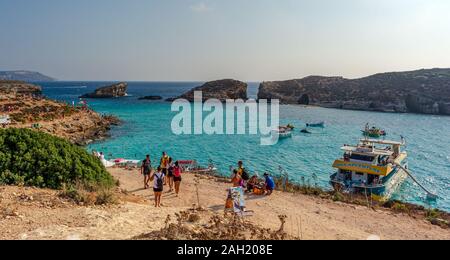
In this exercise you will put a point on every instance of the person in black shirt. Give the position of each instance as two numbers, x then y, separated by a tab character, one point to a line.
146	170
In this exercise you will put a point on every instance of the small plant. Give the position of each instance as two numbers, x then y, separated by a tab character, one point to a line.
105	197
399	207
337	196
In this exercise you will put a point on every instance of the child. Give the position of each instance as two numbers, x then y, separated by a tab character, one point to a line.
236	179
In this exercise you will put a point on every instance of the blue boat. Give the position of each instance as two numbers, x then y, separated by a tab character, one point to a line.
321	124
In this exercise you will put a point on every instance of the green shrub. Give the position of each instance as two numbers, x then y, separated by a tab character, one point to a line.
37	159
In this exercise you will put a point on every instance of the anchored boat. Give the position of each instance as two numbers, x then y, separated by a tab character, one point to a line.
320	124
283	132
373	167
373	132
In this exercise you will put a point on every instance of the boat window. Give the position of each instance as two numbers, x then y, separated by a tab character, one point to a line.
361	157
359	173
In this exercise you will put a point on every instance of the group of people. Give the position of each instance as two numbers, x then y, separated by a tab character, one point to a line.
241	178
167	173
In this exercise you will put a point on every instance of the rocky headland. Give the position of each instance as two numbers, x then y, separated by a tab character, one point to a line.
112	91
421	91
26	108
19	88
23	75
220	89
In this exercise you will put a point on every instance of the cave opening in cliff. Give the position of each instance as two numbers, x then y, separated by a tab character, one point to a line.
304	100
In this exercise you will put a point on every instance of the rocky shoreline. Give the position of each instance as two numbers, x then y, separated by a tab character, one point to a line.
421	91
26	108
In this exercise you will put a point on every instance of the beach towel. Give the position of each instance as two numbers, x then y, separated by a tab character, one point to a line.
237	197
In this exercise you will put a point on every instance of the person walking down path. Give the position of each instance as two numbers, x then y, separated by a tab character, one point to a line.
177	177
146	170
158	186
170	178
164	164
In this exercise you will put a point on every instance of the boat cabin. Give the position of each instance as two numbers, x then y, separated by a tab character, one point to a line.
368	163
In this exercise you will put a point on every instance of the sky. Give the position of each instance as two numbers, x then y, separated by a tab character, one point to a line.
200	40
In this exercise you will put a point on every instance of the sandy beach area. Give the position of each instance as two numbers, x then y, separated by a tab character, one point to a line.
29	213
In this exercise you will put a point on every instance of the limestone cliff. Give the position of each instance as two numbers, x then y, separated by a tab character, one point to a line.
421	91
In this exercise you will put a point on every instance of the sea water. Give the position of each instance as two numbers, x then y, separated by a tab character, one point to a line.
146	129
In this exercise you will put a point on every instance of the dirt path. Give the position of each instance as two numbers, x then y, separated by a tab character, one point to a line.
46	216
308	217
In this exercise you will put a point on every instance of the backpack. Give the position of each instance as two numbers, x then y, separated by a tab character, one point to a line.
159	181
245	175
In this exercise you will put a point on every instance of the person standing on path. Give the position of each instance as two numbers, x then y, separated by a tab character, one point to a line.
158	186
146	170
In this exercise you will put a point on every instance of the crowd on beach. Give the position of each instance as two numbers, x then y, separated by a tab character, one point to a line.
169	172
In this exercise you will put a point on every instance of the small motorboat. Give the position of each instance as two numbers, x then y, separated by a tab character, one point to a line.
373	132
305	131
192	166
289	126
283	132
320	124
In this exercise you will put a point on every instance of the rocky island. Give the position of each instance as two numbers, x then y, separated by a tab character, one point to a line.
26	108
113	91
420	91
220	89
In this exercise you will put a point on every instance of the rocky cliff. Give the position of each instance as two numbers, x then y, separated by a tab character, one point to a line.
220	89
19	87
421	91
113	91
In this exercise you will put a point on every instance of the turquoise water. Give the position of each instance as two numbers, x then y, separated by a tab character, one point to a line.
147	130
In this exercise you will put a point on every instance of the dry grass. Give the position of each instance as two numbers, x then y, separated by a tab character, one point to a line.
189	225
84	196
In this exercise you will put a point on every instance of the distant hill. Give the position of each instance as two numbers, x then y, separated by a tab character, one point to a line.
420	91
22	75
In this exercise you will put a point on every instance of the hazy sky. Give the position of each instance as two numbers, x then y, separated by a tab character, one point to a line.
210	39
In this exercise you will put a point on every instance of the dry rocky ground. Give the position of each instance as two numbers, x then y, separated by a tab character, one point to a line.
29	213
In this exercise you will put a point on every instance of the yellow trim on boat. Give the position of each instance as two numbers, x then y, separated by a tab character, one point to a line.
362	167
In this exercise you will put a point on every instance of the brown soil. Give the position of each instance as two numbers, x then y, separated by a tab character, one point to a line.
28	213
